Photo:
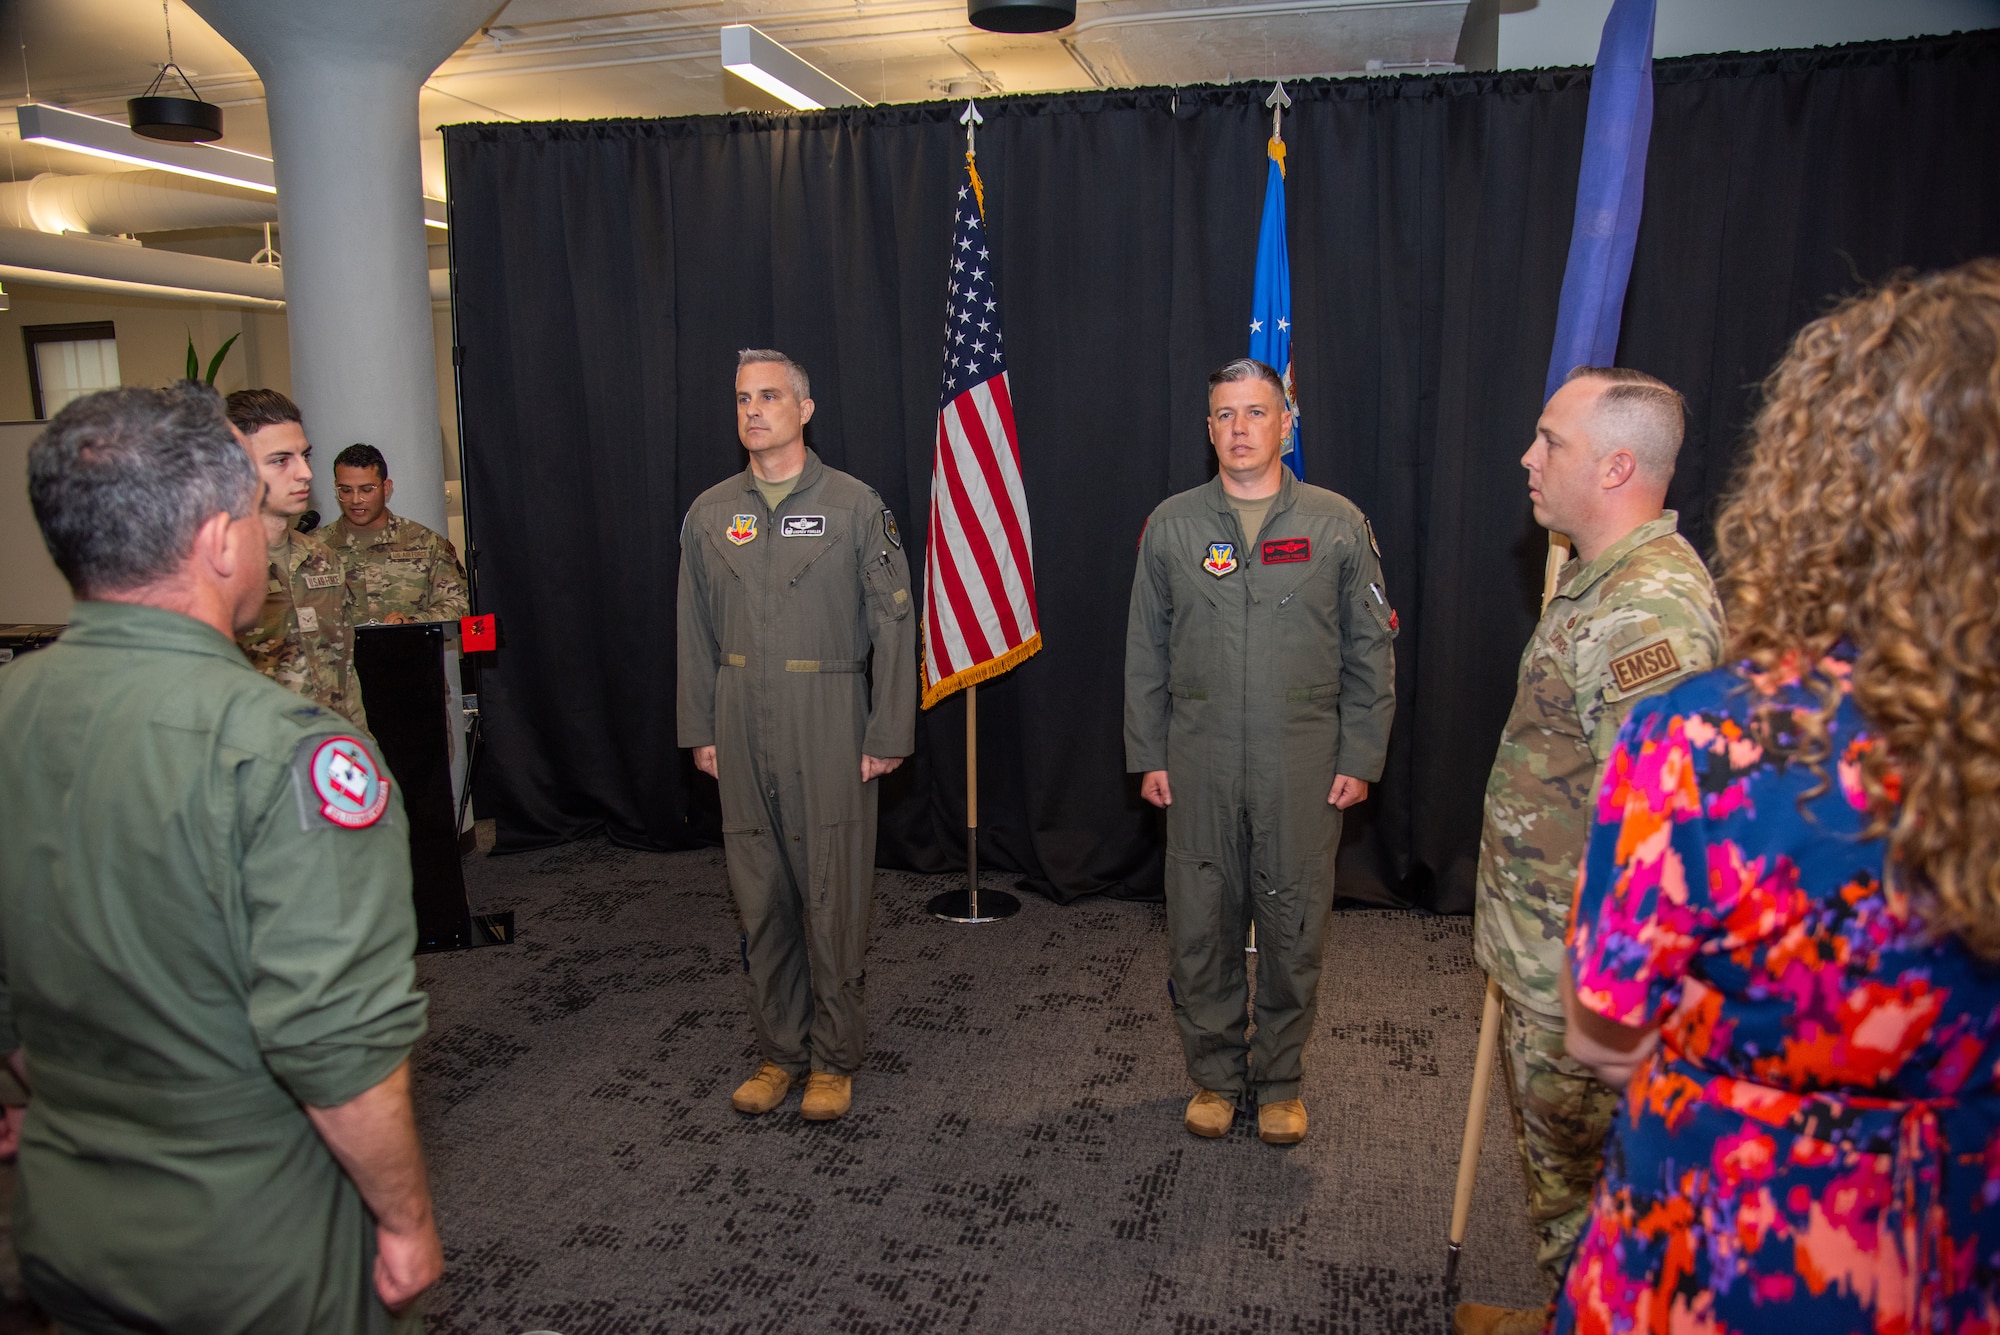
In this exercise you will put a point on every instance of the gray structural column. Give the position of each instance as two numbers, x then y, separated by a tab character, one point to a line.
340	81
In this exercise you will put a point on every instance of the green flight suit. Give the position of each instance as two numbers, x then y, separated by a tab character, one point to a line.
304	636
401	567
778	614
1253	675
192	949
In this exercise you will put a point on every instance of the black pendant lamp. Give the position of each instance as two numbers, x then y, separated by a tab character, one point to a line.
157	114
1021	15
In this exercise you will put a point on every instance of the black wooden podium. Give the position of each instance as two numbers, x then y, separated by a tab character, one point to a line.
409	712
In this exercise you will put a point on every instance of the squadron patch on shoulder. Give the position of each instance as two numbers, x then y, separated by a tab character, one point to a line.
802	526
1284	551
1647	663
1371	538
1221	559
889	529
351	787
742	528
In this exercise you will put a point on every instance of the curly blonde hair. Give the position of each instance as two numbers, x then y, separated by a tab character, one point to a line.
1868	510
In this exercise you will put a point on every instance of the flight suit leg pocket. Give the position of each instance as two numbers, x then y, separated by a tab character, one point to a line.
756	871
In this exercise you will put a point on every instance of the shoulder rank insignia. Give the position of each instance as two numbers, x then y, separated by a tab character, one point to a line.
1221	559
741	529
351	787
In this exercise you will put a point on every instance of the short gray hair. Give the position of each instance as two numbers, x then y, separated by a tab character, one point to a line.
801	385
1638	412
1246	368
122	479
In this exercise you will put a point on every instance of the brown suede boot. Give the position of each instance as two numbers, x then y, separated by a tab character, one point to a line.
1209	1114
1282	1123
827	1097
1479	1319
762	1091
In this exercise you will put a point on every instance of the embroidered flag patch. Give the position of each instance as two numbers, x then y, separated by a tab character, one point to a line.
1649	662
802	526
1221	559
1284	551
741	529
351	787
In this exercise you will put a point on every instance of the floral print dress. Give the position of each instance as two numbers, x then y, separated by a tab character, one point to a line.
1815	1146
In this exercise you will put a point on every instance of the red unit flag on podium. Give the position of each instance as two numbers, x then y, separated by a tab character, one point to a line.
979	570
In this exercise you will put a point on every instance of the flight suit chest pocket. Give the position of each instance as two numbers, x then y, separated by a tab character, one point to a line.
888	596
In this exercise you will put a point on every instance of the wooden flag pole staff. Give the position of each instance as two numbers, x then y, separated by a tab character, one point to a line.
1489	1032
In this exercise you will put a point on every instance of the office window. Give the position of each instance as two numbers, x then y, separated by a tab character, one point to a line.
67	361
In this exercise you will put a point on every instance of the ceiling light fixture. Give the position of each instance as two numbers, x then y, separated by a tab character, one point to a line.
756	59
178	120
1021	15
74	132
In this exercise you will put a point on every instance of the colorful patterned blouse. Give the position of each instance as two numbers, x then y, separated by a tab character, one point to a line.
1816	1144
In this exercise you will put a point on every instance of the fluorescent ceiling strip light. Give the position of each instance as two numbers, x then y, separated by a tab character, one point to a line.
113	141
15	273
755	58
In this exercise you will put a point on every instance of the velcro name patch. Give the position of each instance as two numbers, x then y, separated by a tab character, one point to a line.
1647	663
802	526
1284	551
326	581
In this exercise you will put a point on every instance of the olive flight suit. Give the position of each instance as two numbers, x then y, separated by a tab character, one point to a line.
778	614
401	567
1254	673
205	922
304	636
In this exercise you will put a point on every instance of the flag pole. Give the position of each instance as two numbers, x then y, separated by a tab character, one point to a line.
966	905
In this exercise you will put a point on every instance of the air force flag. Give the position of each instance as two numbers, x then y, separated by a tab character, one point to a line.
1271	301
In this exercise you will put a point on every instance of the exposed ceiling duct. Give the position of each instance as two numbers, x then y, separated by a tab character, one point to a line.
112	203
28	256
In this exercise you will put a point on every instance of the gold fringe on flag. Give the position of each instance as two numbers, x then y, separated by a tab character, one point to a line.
992	667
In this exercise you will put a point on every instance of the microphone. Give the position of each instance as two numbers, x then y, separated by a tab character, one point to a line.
308	521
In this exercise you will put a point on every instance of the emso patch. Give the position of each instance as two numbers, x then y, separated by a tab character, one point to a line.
1647	663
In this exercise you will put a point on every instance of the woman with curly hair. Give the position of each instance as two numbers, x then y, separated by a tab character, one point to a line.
1787	930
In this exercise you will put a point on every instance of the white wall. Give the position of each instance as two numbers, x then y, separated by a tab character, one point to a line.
1536	33
32	590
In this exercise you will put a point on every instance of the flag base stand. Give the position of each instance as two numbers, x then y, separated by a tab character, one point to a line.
968	906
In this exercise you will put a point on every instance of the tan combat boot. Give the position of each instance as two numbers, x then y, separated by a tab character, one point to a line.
827	1096
1282	1123
762	1091
1209	1114
1479	1319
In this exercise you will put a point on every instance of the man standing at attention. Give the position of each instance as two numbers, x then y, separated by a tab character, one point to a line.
205	922
406	572
1634	612
1259	688
791	574
303	637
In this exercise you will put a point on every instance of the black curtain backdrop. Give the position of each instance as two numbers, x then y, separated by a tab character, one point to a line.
606	273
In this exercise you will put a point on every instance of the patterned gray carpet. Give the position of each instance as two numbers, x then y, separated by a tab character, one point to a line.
1014	1161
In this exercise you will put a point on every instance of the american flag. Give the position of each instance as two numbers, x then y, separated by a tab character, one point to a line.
979	576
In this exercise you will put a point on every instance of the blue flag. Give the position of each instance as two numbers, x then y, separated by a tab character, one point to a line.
1610	190
1271	301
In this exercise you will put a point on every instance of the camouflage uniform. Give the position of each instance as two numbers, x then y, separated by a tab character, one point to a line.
1641	616
304	637
402	567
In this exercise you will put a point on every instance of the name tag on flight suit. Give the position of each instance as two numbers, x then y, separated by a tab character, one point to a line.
802	526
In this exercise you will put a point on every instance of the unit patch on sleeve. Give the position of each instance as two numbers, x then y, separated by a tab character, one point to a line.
802	526
1283	551
1649	662
742	528
351	787
1221	559
889	529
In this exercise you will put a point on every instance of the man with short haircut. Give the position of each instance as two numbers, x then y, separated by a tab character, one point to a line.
1634	612
205	922
794	593
1259	688
303	637
406	572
